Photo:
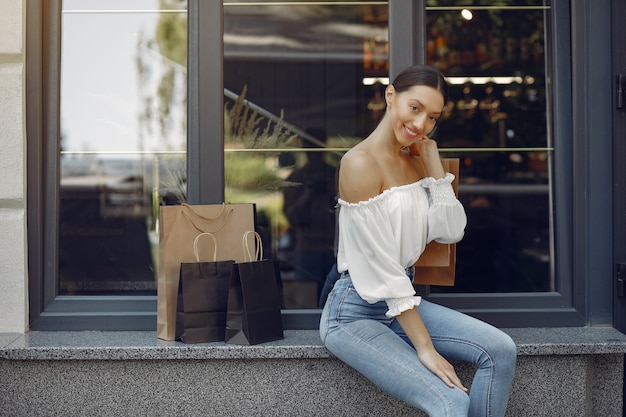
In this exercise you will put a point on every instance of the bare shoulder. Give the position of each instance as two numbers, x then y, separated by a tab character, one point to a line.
359	176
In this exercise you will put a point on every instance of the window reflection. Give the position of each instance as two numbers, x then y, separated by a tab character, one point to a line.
497	122
123	140
304	65
292	71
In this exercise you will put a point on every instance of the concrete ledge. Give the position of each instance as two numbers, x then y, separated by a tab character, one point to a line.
560	372
298	344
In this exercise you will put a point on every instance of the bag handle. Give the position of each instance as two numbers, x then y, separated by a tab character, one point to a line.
199	229
258	253
195	246
190	207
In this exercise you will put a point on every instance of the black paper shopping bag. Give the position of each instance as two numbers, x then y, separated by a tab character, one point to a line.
253	315
203	298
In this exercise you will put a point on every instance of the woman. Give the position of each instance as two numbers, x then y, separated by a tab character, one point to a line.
394	198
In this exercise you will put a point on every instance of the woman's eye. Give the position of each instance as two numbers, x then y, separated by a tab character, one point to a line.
414	108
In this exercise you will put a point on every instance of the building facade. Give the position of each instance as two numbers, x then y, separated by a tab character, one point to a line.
14	258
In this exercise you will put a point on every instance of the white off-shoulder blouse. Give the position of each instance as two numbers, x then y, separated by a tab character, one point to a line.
381	237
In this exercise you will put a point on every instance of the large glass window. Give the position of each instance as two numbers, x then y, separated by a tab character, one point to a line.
302	83
498	122
294	101
123	140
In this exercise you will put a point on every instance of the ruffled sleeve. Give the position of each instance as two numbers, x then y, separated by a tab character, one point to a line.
446	215
398	305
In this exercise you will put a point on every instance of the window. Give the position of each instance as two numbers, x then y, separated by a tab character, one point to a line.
123	141
309	69
498	123
116	150
498	60
123	119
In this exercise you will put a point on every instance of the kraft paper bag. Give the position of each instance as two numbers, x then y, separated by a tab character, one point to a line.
437	264
179	226
254	315
203	297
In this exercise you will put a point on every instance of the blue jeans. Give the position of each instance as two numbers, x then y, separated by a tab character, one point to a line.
362	336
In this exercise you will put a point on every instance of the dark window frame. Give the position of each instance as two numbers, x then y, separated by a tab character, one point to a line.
583	250
619	168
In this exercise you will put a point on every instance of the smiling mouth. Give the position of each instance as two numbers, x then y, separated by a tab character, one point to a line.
410	132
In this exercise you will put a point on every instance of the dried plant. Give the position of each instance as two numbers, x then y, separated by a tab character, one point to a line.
244	128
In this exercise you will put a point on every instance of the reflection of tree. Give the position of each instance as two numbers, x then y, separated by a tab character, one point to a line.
162	69
244	128
162	86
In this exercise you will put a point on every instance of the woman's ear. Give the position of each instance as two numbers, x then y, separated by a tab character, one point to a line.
389	93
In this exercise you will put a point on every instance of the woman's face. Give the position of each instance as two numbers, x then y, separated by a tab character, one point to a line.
413	112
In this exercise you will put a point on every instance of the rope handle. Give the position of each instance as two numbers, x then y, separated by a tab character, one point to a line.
199	229
258	253
190	207
195	245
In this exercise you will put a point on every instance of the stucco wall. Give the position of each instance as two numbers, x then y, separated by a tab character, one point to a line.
13	258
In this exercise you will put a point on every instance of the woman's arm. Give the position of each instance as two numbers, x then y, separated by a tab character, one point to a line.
446	217
413	326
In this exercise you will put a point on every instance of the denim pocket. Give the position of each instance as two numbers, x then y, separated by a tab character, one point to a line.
352	307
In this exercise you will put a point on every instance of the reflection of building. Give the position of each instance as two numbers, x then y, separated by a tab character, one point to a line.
104	236
377	105
376	41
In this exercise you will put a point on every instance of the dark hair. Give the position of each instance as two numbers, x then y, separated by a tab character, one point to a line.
421	75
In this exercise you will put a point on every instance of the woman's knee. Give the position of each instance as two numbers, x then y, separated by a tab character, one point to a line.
503	351
506	348
494	347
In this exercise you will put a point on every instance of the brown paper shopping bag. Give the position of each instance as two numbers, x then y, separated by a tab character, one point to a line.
179	226
437	264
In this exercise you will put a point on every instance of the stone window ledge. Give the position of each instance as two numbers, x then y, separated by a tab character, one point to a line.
297	344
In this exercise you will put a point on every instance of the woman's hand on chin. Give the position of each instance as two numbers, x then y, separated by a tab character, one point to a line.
423	146
428	152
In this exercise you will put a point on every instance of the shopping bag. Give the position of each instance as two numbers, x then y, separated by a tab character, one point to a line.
178	227
437	264
253	314
437	275
203	297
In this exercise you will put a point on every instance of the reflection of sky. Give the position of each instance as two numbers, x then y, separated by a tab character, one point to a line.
100	97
